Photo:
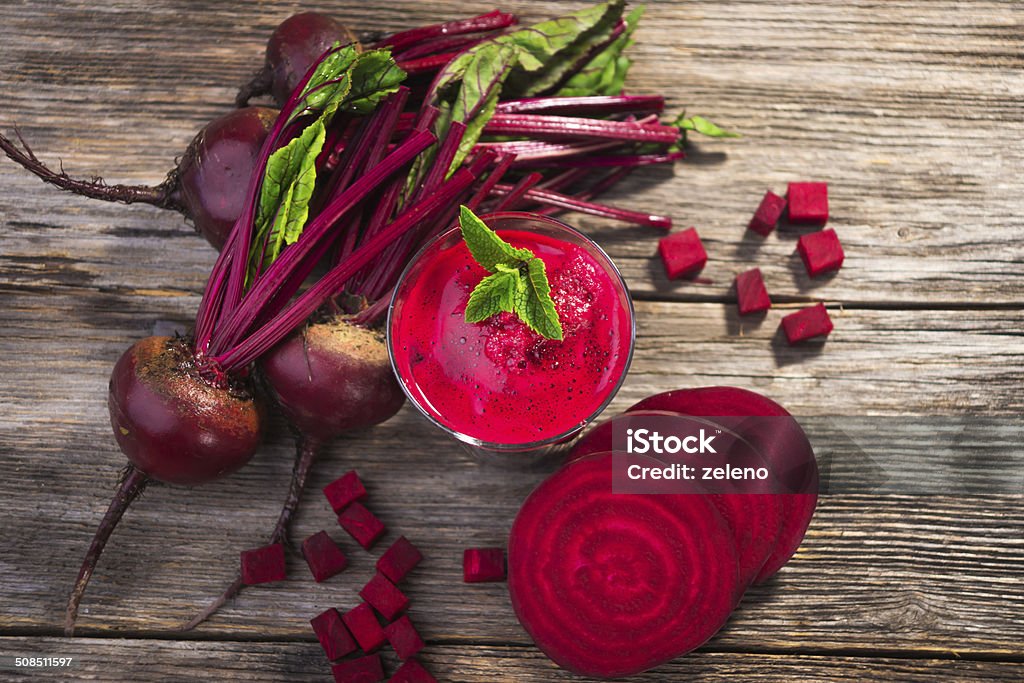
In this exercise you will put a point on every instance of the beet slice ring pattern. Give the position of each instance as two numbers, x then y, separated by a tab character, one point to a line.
609	584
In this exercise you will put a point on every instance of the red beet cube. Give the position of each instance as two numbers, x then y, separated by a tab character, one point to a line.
412	672
344	491
808	203
323	556
333	636
398	560
263	565
404	638
363	670
361	524
481	565
751	295
384	597
683	254
362	623
821	252
768	213
807	323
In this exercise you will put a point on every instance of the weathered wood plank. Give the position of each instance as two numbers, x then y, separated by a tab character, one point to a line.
159	660
906	108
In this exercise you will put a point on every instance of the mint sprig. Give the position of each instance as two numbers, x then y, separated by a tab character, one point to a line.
518	282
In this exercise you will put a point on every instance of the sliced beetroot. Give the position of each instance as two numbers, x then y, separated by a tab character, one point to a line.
263	565
807	323
384	597
412	672
755	520
333	636
610	585
682	254
345	490
361	524
368	669
363	625
777	441
768	213
323	556
751	294
398	560
483	565
404	638
821	252
808	203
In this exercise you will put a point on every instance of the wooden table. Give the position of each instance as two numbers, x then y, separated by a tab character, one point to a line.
914	113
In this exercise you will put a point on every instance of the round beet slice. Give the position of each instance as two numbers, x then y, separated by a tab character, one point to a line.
781	442
610	585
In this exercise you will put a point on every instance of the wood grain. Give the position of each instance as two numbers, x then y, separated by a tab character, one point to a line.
911	110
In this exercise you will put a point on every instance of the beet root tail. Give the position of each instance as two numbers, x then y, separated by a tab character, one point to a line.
132	484
164	195
306	451
257	86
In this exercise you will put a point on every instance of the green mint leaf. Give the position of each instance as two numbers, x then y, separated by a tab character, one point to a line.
535	307
489	250
701	125
518	282
494	294
605	73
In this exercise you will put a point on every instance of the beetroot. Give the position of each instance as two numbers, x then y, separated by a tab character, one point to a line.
398	560
363	670
600	438
333	636
807	323
323	556
611	585
404	638
363	625
808	203
263	565
751	294
682	254
768	213
821	252
483	565
412	672
361	524
345	490
384	597
208	186
777	441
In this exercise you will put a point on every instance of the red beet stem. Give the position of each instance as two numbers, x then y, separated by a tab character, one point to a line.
556	199
529	151
163	195
133	482
611	160
518	191
485	22
600	105
437	46
306	451
429	63
538	125
505	162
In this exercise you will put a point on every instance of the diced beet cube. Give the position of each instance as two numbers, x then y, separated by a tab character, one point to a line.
344	491
820	251
480	565
412	672
768	213
323	556
363	670
751	295
808	203
807	323
361	524
362	623
263	565
384	597
683	254
404	638
333	636
398	560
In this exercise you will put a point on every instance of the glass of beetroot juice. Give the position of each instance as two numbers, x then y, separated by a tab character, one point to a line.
497	386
